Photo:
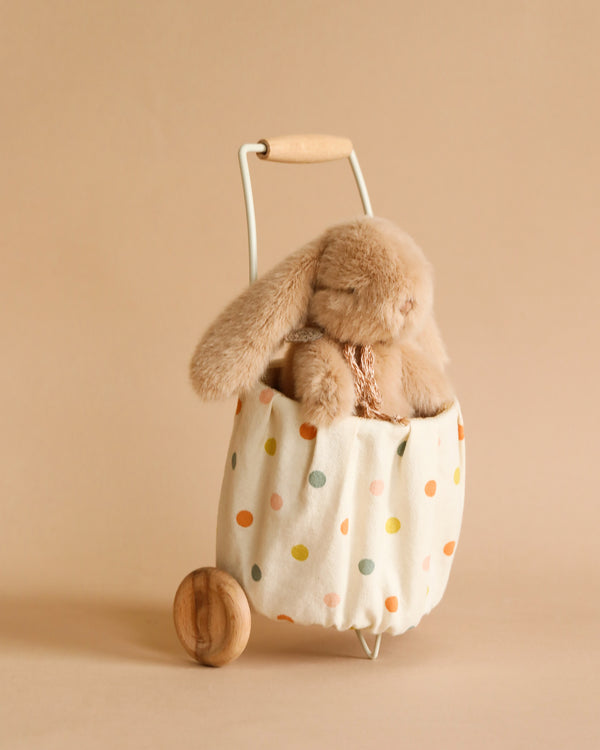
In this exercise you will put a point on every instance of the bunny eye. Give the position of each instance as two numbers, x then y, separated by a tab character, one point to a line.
346	290
323	288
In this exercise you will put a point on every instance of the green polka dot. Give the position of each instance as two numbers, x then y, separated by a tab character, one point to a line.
402	448
271	446
317	478
299	552
234	461
366	566
256	573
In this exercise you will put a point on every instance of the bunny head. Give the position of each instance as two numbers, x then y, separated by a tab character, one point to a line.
363	281
373	283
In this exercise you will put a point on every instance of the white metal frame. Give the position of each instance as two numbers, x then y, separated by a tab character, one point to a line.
261	148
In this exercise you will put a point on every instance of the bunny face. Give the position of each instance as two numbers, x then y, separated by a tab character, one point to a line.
372	284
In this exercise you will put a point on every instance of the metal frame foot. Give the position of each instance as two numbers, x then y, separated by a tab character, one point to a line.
372	653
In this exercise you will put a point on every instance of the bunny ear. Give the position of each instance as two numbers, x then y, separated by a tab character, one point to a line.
236	349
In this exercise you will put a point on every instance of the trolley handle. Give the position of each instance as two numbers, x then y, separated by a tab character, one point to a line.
295	149
306	149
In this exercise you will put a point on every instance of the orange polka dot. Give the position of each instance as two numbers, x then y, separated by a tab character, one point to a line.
266	395
430	488
461	432
238	408
308	431
344	526
284	617
244	518
427	563
449	548
391	604
332	600
376	487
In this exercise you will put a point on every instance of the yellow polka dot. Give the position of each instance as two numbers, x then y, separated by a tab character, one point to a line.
271	446
299	552
456	475
392	525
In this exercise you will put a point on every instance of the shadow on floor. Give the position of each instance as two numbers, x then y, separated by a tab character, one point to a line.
143	632
102	627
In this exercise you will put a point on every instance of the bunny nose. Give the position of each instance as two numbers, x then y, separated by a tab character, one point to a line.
407	307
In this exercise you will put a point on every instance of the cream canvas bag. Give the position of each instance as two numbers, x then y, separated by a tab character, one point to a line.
351	526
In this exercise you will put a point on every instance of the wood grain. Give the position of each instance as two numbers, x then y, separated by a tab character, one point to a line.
212	616
306	149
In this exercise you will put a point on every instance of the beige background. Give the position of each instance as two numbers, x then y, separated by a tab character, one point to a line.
123	234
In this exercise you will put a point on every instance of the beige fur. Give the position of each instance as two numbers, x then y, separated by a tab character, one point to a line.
365	282
317	375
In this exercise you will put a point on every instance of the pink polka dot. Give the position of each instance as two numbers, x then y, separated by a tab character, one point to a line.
276	501
376	487
427	562
332	600
266	395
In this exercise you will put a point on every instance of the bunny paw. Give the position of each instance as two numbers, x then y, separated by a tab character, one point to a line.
323	382
328	400
320	413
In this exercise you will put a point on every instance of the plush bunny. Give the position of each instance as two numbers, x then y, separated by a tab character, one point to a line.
357	303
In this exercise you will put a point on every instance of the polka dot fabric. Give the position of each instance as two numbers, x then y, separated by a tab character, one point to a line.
351	526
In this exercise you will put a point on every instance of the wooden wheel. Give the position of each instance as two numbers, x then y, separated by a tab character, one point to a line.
212	616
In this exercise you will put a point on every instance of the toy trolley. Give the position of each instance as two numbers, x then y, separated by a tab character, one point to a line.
353	526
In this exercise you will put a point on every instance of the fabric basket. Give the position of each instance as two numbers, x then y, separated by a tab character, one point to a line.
352	526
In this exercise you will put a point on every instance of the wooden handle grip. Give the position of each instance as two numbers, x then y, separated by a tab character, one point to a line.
306	149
